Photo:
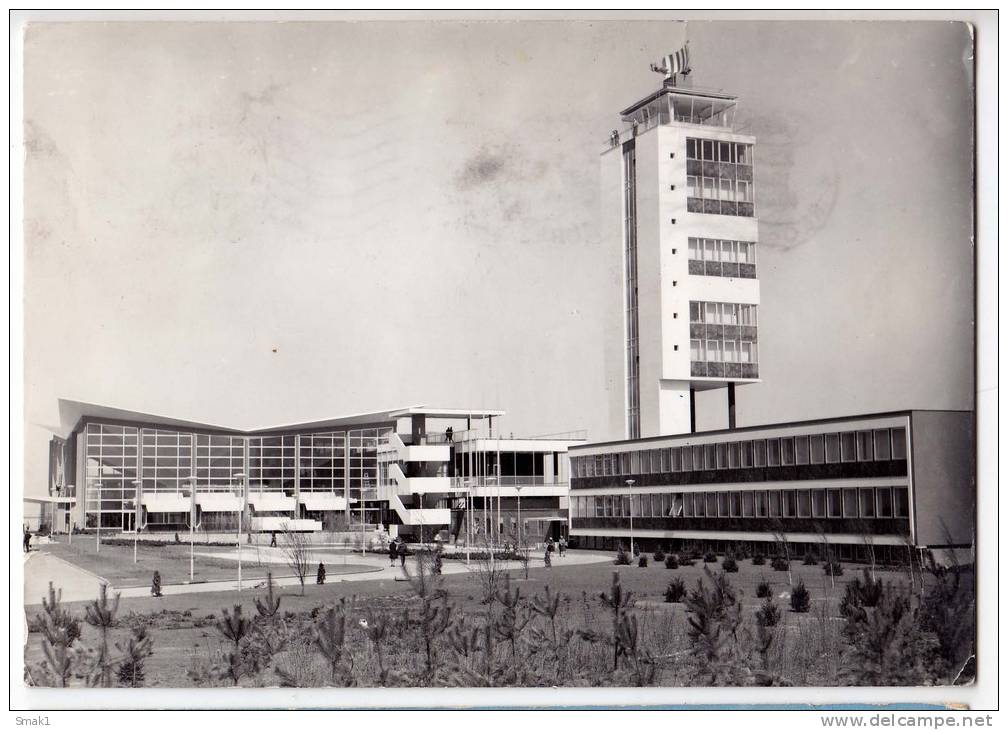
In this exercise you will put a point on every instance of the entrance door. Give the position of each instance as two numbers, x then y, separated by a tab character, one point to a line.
129	520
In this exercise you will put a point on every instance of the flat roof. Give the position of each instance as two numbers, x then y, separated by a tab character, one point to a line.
72	412
763	427
703	93
446	412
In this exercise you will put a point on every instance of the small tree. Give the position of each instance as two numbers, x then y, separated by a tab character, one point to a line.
135	651
100	613
800	599
60	629
763	589
297	551
269	605
642	561
328	638
780	538
672	562
729	564
768	614
675	591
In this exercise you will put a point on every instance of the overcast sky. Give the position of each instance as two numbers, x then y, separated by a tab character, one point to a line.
256	223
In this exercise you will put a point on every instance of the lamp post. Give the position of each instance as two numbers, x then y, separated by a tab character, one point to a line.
98	521
241	509
630	483
519	531
363	540
137	483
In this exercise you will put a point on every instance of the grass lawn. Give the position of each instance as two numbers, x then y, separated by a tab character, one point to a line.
115	563
184	633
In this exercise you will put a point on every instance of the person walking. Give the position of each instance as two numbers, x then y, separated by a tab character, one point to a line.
402	553
320	576
27	540
273	540
547	561
155	588
449	434
563	546
393	551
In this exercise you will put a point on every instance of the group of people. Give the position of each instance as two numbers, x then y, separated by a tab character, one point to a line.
397	550
560	546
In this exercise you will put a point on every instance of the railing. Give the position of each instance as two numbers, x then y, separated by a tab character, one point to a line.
580	434
490	482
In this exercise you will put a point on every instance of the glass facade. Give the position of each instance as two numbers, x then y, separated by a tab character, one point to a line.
630	293
167	461
864	503
719	177
111	470
322	462
722	257
272	463
889	444
723	340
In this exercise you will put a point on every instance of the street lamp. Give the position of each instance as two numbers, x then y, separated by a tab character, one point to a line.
241	508
630	483
98	521
137	483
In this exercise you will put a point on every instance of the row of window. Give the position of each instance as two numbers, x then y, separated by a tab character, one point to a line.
722	250
881	444
727	351
717	151
836	503
723	313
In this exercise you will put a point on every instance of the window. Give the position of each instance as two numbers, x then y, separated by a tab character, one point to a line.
804	505
774	503
695	351
832	448
687	504
691	149
625	462
865	440
901	507
801	449
883	497
748	508
687	458
789	503
700	505
848	446
817	448
698	458
734	452
666	460
712	505
759	453
867	497
883	452
723	506
736	504
787	451
760	499
710	456
899	448
834	505
676	459
818	502
722	456
773	452
850	503
746	456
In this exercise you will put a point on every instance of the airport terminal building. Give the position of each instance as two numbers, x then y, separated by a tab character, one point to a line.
880	482
680	219
126	470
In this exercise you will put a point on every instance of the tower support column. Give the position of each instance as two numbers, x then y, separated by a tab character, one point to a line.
731	405
692	409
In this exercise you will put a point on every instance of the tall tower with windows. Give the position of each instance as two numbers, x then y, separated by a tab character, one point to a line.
678	191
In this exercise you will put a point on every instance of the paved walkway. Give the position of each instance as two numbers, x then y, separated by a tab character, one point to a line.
79	584
76	583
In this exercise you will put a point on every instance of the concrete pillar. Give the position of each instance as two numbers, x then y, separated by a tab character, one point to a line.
731	405
692	409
